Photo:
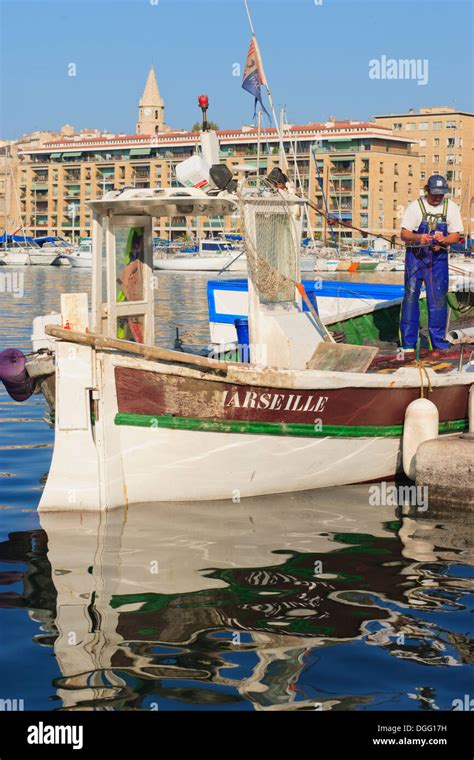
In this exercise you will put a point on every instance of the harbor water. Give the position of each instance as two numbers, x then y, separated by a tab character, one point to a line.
338	599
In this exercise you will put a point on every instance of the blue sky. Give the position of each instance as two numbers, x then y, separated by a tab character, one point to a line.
316	58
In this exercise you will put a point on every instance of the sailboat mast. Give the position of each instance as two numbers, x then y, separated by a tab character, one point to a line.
5	195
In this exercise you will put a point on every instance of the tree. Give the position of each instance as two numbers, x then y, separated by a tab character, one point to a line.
197	126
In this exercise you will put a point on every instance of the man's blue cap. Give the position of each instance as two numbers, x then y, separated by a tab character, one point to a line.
437	185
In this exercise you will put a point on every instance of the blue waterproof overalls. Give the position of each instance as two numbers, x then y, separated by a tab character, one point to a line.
422	264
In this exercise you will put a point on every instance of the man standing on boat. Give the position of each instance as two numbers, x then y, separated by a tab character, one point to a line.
429	226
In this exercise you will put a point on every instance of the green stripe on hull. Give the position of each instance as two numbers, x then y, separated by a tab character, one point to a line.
274	428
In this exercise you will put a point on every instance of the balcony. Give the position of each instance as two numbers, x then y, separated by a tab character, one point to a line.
72	174
342	209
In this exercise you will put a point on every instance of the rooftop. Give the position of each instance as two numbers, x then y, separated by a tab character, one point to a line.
351	129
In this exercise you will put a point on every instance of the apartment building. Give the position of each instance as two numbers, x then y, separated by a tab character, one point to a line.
367	174
445	142
364	173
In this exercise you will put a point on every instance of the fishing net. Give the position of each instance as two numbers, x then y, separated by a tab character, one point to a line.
269	232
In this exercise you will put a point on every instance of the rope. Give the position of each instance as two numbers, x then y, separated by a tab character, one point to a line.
422	368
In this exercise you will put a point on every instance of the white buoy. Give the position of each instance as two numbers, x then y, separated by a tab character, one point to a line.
421	424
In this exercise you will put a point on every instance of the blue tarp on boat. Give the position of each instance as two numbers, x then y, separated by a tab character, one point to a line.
14	239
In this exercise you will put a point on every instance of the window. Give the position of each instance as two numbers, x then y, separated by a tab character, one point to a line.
380	204
394	204
409	188
437	125
450	125
380	186
423	125
436	158
395	187
422	175
395	169
422	159
394	223
410	170
436	142
449	158
422	143
381	169
410	127
450	142
397	126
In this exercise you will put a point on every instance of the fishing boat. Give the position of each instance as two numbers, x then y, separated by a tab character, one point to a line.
152	424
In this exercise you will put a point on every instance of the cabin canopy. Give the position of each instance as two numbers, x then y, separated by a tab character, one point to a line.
123	284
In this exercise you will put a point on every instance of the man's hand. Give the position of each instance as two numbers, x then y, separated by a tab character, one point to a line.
424	239
438	236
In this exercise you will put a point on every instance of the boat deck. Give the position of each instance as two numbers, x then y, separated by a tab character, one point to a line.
440	361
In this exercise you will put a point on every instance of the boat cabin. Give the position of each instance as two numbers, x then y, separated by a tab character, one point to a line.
123	283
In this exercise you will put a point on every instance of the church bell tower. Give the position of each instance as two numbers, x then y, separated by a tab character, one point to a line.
151	109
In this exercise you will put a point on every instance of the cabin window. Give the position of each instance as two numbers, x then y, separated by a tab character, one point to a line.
130	256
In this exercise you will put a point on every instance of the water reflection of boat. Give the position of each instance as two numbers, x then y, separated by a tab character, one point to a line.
233	606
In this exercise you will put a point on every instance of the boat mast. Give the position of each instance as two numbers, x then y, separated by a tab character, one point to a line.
259	137
469	216
270	97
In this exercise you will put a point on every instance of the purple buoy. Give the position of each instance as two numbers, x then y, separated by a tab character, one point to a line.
14	376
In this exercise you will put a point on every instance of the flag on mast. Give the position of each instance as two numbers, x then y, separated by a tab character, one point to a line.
254	75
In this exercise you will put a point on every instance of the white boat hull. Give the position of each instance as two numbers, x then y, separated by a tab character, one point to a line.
15	258
130	457
326	265
42	259
194	466
79	262
194	263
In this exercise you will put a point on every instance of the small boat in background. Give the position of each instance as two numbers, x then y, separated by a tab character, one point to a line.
13	251
81	257
19	250
56	247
